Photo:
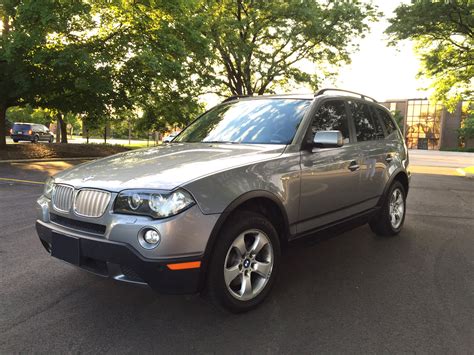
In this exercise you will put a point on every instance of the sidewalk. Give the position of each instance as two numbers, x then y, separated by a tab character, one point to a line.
439	163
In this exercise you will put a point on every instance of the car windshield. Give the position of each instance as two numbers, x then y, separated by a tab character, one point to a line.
21	127
262	121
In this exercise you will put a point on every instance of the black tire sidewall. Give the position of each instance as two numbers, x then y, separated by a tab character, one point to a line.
217	288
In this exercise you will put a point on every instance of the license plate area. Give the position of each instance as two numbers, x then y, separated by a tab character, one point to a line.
66	248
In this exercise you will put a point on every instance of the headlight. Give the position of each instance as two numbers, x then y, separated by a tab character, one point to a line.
153	203
48	187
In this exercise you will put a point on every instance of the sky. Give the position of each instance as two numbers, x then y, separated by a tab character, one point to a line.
381	71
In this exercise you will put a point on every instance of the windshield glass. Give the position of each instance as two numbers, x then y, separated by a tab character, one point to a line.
262	121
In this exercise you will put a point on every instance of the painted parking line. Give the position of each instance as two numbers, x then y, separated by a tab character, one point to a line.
23	181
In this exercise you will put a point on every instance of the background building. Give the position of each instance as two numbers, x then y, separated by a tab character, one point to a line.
427	125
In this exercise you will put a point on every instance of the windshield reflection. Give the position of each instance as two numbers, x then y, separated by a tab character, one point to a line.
262	121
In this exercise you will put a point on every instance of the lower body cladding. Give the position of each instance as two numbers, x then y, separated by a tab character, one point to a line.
123	260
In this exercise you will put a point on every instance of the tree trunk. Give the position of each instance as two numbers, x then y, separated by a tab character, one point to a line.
58	128
105	134
3	126
63	131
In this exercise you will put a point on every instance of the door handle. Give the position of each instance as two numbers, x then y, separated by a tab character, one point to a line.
388	158
353	166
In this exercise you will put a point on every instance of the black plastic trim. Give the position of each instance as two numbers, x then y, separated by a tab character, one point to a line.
154	272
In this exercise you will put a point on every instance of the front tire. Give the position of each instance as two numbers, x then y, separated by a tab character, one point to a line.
244	264
15	141
35	139
389	221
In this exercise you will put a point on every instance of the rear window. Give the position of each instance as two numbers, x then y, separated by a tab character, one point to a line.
21	127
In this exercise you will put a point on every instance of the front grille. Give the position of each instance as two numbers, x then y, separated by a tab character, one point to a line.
77	225
62	197
91	203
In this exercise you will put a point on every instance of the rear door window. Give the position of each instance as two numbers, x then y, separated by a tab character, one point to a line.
367	125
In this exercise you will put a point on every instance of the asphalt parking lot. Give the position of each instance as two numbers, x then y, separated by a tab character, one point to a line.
354	293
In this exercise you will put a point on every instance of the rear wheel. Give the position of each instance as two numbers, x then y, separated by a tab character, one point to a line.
244	263
15	141
392	215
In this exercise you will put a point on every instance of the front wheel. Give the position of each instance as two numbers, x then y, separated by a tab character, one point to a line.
244	263
35	139
51	140
391	217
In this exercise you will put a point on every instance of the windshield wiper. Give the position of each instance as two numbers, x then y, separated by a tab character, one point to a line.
220	142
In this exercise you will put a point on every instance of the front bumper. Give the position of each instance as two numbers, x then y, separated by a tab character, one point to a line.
121	262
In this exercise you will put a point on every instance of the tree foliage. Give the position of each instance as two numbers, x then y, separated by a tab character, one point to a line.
444	35
258	46
99	59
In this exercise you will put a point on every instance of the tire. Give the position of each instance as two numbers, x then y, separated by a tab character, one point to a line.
50	140
229	271
15	141
386	222
35	139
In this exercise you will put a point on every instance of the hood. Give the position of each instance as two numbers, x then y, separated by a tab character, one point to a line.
165	167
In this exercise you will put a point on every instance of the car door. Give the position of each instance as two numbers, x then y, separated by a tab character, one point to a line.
329	176
373	152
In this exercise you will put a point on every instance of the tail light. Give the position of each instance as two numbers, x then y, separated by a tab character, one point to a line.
11	130
30	132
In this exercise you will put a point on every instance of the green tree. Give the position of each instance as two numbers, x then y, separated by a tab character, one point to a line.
443	32
259	46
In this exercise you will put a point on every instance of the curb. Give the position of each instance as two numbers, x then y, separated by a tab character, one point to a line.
46	160
465	173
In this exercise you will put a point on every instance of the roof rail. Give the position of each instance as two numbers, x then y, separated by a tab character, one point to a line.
235	97
364	97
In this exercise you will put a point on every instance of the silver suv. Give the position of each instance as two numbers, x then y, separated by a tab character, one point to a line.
213	210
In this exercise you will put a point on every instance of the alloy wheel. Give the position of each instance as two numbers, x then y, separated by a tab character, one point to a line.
248	264
396	208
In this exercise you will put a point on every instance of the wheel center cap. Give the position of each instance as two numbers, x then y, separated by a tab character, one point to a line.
246	263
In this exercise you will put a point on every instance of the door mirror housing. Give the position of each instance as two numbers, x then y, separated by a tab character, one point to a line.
328	139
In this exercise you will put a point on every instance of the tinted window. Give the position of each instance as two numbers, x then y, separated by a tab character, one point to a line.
21	127
332	116
264	121
366	123
387	121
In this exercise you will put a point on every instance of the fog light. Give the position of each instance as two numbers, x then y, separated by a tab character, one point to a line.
152	237
149	238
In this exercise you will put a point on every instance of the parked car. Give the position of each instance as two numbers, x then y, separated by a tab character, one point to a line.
213	210
32	132
170	137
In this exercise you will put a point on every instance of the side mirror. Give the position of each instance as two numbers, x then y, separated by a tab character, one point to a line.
328	139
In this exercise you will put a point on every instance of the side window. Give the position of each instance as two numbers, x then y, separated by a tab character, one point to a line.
387	121
366	123
331	116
